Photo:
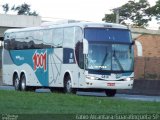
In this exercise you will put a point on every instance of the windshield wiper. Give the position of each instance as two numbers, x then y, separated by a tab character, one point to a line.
117	60
104	60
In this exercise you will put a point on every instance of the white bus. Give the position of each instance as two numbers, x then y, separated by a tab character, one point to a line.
72	56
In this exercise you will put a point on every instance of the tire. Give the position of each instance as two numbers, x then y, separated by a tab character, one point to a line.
110	92
16	82
68	85
23	83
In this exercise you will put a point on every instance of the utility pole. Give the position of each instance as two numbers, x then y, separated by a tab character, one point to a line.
116	11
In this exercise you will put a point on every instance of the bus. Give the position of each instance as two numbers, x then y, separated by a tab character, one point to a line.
71	56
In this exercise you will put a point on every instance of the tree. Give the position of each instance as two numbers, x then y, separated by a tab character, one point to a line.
110	18
33	13
24	9
134	11
5	8
154	11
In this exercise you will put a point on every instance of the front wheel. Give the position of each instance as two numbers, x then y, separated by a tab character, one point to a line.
68	85
110	92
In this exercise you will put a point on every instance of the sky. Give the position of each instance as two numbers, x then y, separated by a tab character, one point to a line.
87	10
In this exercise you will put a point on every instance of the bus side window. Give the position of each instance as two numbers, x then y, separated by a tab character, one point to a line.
6	41
79	54
58	37
12	41
69	39
20	39
78	34
38	39
47	37
34	39
79	47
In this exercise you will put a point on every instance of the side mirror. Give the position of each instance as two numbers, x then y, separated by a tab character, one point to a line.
1	39
133	42
85	46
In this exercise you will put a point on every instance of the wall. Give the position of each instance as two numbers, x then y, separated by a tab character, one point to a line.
19	20
150	44
148	66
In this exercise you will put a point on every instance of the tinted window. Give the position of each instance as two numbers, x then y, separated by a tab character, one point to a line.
69	37
47	36
108	35
57	37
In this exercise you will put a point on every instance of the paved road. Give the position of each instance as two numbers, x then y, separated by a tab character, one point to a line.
98	94
123	96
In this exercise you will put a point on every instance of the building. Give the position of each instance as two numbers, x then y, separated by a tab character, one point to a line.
147	54
17	21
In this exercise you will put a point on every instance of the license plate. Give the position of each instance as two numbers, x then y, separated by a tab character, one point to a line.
110	84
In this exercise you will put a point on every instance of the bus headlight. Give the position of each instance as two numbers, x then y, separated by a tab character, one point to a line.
91	77
127	79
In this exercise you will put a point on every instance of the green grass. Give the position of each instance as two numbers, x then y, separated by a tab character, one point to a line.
13	102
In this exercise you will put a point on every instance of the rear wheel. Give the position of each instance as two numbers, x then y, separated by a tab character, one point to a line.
23	83
68	85
16	82
110	92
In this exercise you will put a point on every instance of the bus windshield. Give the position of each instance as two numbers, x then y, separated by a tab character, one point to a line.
107	35
115	57
109	49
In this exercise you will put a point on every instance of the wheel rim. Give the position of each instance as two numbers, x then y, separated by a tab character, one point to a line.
23	85
16	83
68	86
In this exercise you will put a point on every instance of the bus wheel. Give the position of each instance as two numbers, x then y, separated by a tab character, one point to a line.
110	92
23	83
68	85
16	82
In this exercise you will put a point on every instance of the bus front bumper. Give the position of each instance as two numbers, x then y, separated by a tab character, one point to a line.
99	84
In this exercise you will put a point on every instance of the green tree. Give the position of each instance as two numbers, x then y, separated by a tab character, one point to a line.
154	11
24	9
134	11
110	18
5	8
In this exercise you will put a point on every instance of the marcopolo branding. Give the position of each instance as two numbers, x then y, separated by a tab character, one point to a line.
40	60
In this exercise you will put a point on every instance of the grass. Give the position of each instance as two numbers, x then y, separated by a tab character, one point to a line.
13	102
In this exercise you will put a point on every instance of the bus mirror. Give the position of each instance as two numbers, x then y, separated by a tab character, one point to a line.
133	42
85	46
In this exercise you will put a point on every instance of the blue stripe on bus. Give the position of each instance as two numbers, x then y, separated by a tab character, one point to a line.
35	58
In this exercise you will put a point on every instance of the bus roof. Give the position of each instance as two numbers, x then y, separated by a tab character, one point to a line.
80	24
